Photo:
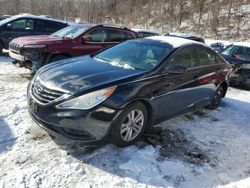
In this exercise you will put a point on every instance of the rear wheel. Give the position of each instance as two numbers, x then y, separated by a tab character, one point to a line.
58	57
129	125
216	100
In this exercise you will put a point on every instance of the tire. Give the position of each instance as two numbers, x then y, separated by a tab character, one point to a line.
216	100
57	58
124	132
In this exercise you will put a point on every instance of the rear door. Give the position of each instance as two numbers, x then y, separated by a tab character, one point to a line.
176	92
212	71
18	28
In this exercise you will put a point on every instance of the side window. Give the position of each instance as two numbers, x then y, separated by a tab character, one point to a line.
184	57
22	25
148	34
50	26
98	35
40	26
116	36
140	34
205	56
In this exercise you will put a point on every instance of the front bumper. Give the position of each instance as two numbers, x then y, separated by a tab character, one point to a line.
32	60
16	56
89	126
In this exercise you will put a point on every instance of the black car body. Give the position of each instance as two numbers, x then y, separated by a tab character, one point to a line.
186	36
25	25
238	54
169	76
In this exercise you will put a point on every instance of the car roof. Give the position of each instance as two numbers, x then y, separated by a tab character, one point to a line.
90	25
145	30
42	17
175	42
245	44
184	35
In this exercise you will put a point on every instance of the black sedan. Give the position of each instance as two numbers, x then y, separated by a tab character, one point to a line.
122	91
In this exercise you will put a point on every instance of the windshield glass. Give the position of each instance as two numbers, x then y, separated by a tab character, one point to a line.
70	32
240	51
135	54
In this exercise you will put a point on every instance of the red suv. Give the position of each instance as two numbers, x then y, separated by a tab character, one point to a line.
33	52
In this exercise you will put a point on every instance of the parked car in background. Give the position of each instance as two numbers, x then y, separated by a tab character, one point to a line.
218	46
80	39
146	33
2	17
26	24
186	36
122	91
238	54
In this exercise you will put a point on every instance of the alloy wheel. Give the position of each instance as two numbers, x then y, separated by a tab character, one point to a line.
132	125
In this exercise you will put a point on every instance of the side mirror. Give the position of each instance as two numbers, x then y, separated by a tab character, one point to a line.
175	69
86	39
9	25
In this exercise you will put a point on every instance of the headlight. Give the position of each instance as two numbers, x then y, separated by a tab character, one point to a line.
87	101
35	46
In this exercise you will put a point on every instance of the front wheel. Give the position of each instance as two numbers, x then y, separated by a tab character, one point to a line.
129	125
216	100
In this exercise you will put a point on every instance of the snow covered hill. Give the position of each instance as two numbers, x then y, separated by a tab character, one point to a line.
200	149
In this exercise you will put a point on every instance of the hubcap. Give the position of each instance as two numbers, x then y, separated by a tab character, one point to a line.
132	125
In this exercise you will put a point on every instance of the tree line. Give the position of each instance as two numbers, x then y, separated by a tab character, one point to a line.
227	19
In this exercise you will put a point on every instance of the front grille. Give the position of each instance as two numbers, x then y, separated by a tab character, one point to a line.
14	47
43	94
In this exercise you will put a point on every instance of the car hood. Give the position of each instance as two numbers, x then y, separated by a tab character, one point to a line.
79	74
39	39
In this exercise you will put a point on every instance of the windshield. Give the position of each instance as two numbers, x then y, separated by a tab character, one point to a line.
70	32
240	51
135	54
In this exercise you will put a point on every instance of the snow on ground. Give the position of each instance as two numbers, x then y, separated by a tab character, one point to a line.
200	149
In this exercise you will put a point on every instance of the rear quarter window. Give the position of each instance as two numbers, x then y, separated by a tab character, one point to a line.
49	26
130	36
205	56
117	35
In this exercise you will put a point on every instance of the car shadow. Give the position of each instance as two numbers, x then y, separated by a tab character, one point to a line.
173	141
7	140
